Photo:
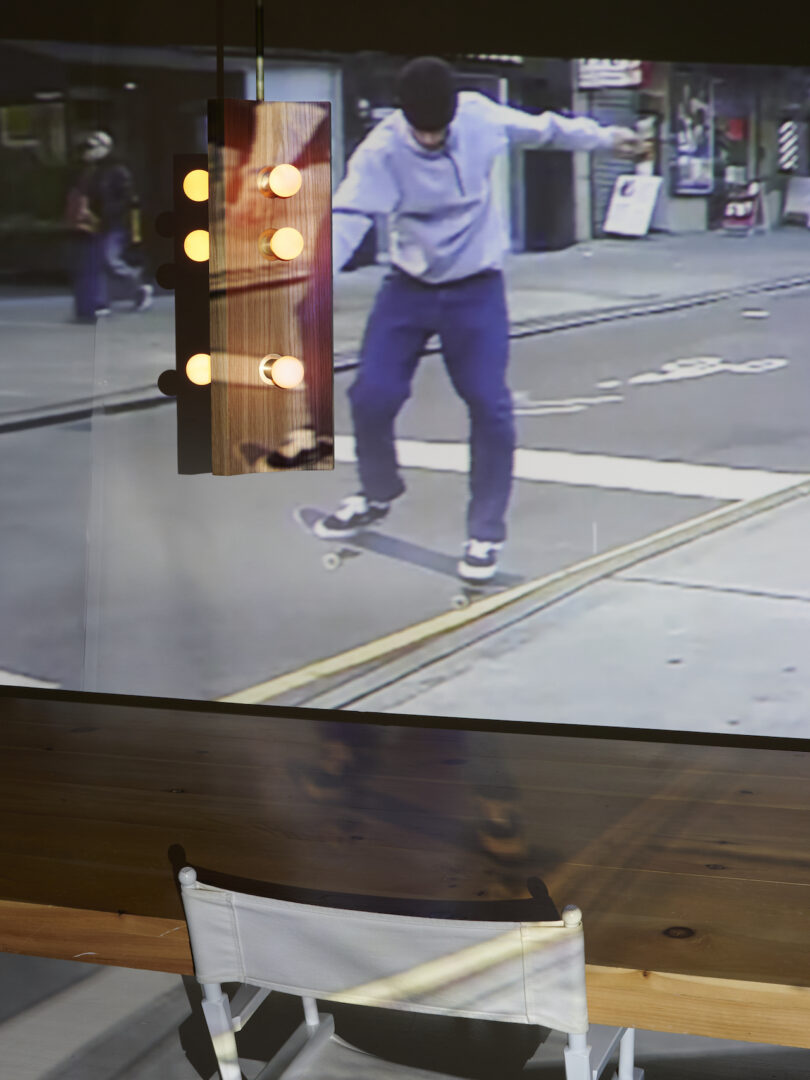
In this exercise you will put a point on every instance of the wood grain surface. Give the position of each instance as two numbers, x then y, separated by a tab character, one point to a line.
691	863
261	305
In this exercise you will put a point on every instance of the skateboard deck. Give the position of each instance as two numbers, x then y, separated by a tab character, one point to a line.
339	549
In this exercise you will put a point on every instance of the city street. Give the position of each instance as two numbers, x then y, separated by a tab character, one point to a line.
204	586
654	580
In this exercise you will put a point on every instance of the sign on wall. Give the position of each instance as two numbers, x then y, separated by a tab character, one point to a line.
600	74
692	128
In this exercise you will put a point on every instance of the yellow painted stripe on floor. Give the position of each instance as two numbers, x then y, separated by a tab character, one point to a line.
374	650
553	585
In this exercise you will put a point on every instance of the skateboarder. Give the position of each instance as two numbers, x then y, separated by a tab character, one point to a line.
428	166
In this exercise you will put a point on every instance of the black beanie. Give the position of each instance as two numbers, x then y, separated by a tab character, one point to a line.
426	93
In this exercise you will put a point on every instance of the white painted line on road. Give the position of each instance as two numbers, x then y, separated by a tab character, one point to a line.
655	477
525	405
11	678
597	470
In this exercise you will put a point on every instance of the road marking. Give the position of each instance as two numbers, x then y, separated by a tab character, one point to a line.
545	590
697	367
596	470
525	405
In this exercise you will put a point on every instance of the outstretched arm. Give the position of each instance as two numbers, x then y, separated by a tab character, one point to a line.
367	189
556	132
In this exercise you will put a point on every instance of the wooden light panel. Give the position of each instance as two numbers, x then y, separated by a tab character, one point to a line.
262	305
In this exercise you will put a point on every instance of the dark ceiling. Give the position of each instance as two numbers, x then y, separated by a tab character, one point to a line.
713	30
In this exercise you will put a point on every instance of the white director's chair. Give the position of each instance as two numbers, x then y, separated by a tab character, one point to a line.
518	972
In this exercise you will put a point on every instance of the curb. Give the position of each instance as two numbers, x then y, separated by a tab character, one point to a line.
346	359
84	408
425	643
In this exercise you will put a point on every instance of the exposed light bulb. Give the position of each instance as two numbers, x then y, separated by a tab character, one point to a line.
281	180
286	372
198	369
195	185
196	245
285	243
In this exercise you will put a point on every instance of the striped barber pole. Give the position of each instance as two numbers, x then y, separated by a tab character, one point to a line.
788	146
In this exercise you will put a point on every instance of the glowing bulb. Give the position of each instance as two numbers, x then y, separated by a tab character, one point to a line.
195	185
281	180
286	243
195	245
286	372
198	369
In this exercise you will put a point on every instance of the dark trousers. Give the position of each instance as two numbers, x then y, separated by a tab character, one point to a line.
115	243
98	259
471	320
89	280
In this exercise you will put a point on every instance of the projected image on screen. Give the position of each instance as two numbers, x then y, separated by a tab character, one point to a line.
571	449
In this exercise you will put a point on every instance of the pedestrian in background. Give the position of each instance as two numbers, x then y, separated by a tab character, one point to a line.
100	209
428	166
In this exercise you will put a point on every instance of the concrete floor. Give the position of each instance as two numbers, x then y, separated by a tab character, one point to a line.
71	1021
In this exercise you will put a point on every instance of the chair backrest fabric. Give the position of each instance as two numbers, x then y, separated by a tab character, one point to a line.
531	972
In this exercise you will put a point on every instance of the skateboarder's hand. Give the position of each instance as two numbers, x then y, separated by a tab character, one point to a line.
628	143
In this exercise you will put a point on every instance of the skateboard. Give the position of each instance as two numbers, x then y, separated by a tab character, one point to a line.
393	547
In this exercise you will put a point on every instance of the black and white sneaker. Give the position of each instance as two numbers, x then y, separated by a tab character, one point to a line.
143	297
480	561
355	513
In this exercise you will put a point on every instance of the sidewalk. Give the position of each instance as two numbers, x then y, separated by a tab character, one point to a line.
710	637
55	369
611	278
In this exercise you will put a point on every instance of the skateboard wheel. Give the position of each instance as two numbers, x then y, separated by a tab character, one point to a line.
460	601
331	560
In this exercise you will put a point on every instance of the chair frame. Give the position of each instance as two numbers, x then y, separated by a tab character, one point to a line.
585	1055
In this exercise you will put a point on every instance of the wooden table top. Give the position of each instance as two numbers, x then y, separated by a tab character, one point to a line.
691	863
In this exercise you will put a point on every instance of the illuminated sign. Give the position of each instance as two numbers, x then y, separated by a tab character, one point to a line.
602	74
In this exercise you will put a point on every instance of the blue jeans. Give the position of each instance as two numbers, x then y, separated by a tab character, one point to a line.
99	258
471	320
89	281
115	242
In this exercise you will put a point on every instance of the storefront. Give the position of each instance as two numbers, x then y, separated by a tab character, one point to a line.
724	124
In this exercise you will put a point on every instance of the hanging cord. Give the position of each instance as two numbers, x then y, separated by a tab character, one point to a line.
220	34
260	50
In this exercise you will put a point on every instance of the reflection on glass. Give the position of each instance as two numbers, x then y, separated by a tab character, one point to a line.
622	435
